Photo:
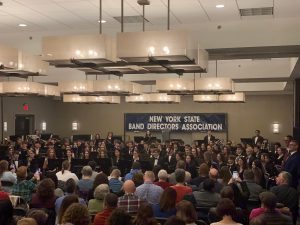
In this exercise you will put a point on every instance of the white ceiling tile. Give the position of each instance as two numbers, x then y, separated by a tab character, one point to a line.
244	4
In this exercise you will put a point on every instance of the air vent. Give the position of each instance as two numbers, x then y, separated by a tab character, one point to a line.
257	11
131	19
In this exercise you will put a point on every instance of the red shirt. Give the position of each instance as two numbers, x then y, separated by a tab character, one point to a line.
3	195
101	217
163	184
181	191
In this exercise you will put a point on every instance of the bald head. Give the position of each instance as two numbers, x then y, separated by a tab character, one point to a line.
129	187
213	173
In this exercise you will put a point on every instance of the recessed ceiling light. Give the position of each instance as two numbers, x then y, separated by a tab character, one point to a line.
102	21
22	25
220	6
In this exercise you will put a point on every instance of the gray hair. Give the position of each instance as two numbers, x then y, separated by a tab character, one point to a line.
163	175
101	191
286	176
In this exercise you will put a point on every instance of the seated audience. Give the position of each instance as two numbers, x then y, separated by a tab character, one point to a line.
115	185
119	217
267	214
207	197
101	178
226	210
93	165
27	221
179	165
129	201
67	201
40	216
286	194
85	184
145	216
23	187
203	174
65	173
186	212
6	175
44	197
225	175
162	179
180	187
254	188
138	179
174	220
71	189
97	204
213	175
110	203
167	204
76	214
149	191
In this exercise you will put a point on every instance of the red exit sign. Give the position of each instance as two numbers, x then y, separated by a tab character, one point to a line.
25	107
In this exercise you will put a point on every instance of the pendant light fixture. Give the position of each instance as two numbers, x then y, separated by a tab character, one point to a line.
237	97
175	85
153	98
206	98
22	88
74	98
76	86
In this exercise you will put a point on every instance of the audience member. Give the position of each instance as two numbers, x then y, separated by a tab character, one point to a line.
213	175
254	188
186	212
129	201
44	197
101	178
167	204
76	214
6	212
65	173
291	164
162	179
174	220
93	165
85	184
27	221
180	187
267	214
97	204
66	202
145	216
149	191
40	216
119	217
110	203
136	167
115	185
207	197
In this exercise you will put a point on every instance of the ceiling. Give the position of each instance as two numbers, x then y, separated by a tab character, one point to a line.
213	28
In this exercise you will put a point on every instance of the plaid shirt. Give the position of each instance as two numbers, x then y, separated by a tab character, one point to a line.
24	189
130	203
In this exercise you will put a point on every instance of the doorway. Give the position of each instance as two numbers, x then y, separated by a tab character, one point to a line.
24	124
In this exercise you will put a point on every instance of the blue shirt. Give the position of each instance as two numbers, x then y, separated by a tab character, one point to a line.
158	213
129	175
115	185
85	185
149	192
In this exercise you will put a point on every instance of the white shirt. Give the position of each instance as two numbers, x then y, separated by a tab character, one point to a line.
66	176
255	140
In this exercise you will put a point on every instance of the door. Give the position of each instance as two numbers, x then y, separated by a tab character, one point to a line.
24	124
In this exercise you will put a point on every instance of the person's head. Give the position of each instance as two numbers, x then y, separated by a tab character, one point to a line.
174	220
92	164
117	153
203	170
145	214
65	166
116	173
39	215
287	140
87	171
268	200
231	159
119	217
180	175
180	164
213	174
188	177
227	192
111	200
257	132
22	173
101	191
293	146
225	174
129	187
163	175
248	175
186	211
51	153
76	214
168	199
241	162
3	166
45	189
27	221
70	186
226	207
149	176
283	178
136	166
209	185
138	178
249	151
66	202
101	178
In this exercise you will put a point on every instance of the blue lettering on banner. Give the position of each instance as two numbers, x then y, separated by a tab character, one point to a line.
180	122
